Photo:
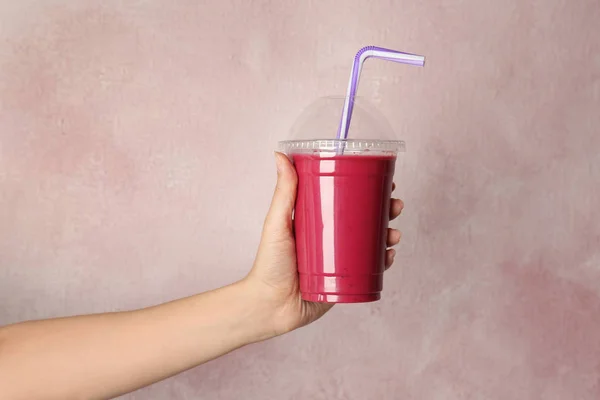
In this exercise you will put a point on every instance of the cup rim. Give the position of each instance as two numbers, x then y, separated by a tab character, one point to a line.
358	140
351	145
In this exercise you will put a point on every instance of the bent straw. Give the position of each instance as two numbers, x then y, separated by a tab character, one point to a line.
359	59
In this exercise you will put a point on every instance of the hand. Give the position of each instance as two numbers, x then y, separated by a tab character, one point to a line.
274	276
124	351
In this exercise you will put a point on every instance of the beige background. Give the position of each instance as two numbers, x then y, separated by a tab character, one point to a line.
136	167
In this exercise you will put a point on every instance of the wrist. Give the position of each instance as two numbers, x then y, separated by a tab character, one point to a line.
256	310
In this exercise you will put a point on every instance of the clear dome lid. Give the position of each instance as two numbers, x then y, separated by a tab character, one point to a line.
321	120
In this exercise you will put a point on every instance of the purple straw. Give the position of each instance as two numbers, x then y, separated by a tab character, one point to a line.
359	59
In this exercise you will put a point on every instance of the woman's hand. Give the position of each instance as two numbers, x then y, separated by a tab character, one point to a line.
124	351
274	276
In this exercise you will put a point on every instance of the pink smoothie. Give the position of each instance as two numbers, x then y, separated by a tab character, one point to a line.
341	221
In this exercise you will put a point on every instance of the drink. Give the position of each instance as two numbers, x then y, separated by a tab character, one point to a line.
341	218
344	186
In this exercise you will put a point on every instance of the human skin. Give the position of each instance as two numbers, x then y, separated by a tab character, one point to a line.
105	355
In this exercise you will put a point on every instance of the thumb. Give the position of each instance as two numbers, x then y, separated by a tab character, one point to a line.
279	217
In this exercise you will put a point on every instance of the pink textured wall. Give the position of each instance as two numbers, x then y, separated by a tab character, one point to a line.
125	132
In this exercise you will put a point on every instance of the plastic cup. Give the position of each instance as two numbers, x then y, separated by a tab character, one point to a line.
341	216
